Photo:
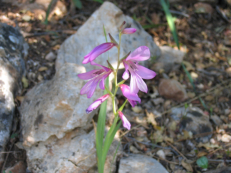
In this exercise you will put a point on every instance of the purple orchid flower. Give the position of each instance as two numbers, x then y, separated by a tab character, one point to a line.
98	50
96	103
125	121
132	97
138	72
94	77
128	31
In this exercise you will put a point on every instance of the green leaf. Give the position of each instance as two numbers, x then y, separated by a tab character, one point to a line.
152	26
48	11
105	33
117	148
100	132
100	1
77	3
109	139
170	21
202	162
13	135
189	76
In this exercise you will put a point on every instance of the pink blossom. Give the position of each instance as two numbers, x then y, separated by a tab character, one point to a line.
125	121
98	50
128	31
132	97
94	77
96	103
138	72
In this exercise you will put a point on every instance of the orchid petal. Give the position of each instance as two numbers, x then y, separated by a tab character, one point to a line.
95	64
134	84
126	92
126	73
96	103
144	72
98	50
140	54
125	121
92	88
132	102
88	75
140	84
129	31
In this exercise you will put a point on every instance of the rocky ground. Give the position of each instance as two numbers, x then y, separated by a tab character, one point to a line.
187	111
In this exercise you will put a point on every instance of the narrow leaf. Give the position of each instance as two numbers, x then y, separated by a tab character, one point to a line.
170	21
202	162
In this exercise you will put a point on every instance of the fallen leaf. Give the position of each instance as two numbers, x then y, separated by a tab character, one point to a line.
25	82
151	118
187	166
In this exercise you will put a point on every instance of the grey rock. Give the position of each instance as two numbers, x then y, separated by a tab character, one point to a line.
193	119
75	152
55	107
13	49
170	59
137	163
91	35
216	120
55	125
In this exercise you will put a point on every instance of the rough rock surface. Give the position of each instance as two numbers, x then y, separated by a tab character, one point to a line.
170	59
172	89
137	163
55	107
91	35
13	49
193	119
55	125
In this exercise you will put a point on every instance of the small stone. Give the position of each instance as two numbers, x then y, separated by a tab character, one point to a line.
26	17
161	154
216	120
226	138
50	56
227	111
194	75
42	69
137	109
158	101
40	77
137	163
134	150
172	89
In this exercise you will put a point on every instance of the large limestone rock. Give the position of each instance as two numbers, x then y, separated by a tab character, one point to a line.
55	125
13	49
56	107
91	35
137	163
